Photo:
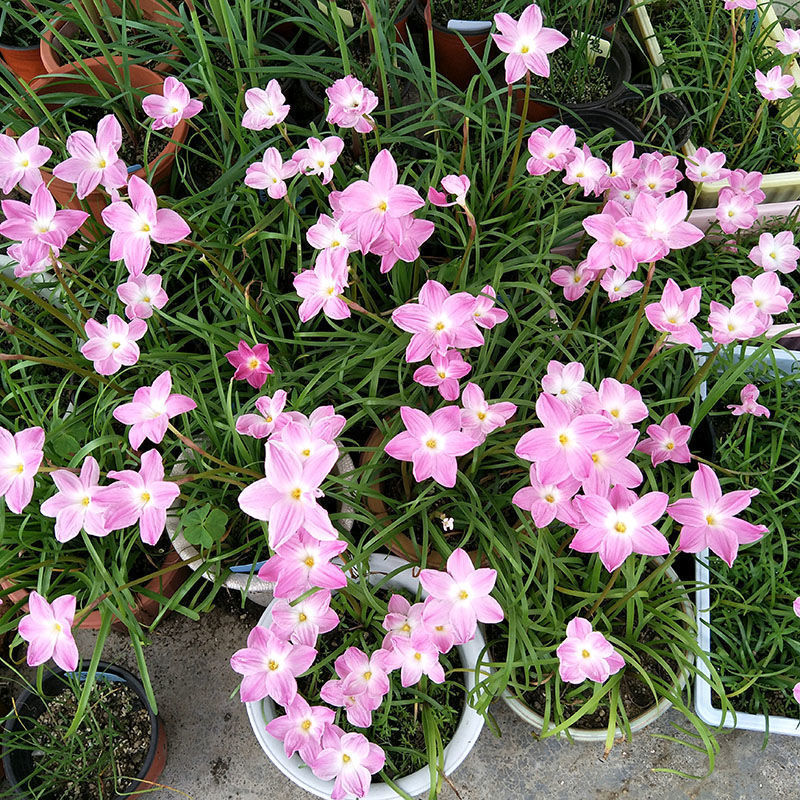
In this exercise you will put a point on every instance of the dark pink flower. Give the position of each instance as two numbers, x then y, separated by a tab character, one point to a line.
251	363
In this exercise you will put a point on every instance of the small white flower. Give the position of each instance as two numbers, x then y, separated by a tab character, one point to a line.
447	523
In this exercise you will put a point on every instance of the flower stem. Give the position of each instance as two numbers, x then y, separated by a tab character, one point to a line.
518	145
193	446
611	581
637	323
656	347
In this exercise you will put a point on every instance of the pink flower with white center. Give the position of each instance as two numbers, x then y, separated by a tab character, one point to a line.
93	160
265	107
141	294
32	257
362	674
791	42
326	234
668	441
299	438
618	285
620	402
151	409
452	184
585	170
621	524
436	628
169	108
547	501
485	312
323	423
374	206
48	631
303	562
764	293
75	505
625	197
663	222
321	287
319	157
415	658
142	497
20	160
527	43
750	404
301	728
774	253
729	324
565	381
774	85
136	225
574	280
40	219
623	168
796	606
287	496
113	345
747	183
20	457
404	243
270	667
586	654
623	246
465	591
402	620
303	622
251	363
358	707
735	211
563	446
705	166
439	321
350	759
432	443
709	518
657	173
610	466
269	418
479	417
550	152
673	312
351	103
271	173
443	373
796	692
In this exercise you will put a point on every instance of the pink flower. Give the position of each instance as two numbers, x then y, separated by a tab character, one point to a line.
169	108
796	692
136	225
321	287
362	674
735	211
547	501
618	285
75	506
657	174
443	373
464	590
403	243
303	562
705	166
610	466
750	404
663	222
269	418
351	104
270	667
358	707
32	257
265	107
40	220
478	417
573	279
774	85
748	4
729	324
796	606
709	517
621	246
151	409
94	161
624	167
673	312
415	658
327	234
452	184
48	631
251	363
402	620
791	42
350	759
142	497
565	381
620	402
20	457
113	345
301	728
20	160
668	441
550	152
764	294
621	524
439	321
318	157
141	294
585	170
586	654
287	496
432	443
271	173
748	184
485	312
776	253
527	43
303	622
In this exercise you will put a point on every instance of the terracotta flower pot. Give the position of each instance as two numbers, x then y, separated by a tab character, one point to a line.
24	61
142	79
160	11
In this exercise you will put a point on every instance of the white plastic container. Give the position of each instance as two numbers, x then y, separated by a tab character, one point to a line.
467	732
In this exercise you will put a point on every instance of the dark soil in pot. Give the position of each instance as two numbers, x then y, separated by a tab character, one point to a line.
15	34
86	116
664	119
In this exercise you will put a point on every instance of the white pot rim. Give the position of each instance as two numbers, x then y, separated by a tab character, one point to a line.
467	732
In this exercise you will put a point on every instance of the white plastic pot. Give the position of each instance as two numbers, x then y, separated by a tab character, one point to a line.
467	732
599	734
260	592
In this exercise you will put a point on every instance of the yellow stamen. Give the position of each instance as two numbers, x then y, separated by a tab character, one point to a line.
585	653
302	617
306	724
431	443
273	665
620	527
296	493
309	562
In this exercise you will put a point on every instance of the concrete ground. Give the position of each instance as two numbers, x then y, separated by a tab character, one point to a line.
213	754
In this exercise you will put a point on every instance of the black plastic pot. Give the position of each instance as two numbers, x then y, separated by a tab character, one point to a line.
19	765
594	121
663	119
